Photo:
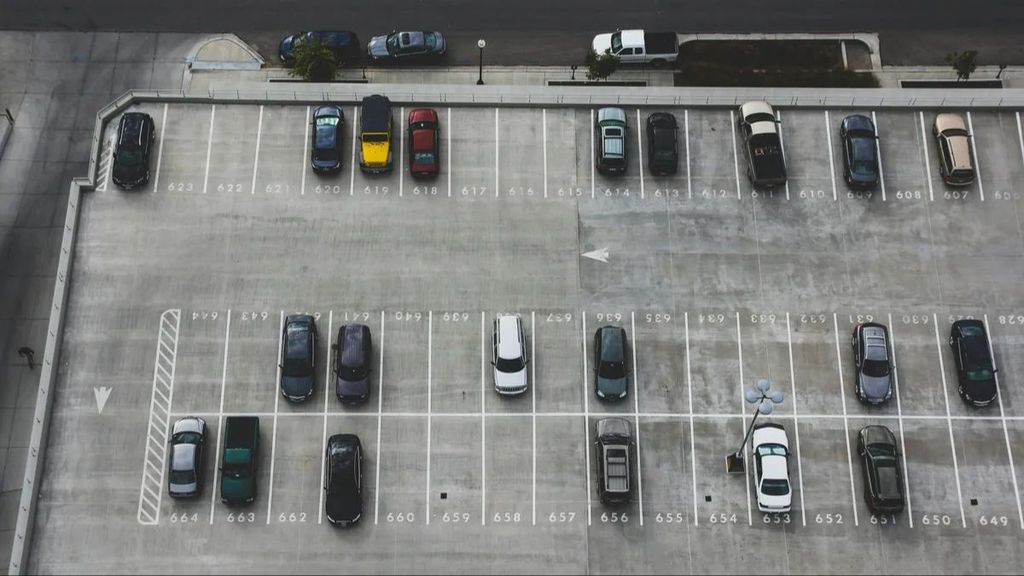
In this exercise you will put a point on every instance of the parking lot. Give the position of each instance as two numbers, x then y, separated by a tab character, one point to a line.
180	290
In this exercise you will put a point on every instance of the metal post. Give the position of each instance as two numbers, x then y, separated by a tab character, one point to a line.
735	464
574	72
480	78
27	353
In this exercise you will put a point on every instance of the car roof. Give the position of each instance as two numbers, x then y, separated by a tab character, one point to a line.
612	144
756	107
949	121
422	139
414	38
632	37
184	457
353	337
774	467
611	114
613	343
509	346
376	110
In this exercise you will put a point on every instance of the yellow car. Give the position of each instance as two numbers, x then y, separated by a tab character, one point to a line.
375	150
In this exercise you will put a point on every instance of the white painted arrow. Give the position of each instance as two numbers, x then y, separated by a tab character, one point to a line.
102	394
601	255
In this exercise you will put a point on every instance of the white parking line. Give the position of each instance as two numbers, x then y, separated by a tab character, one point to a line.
380	406
640	155
256	156
899	415
586	407
483	424
533	410
273	438
689	184
593	184
430	356
497	156
927	161
352	163
1006	432
796	425
831	162
449	151
974	154
220	415
949	421
323	444
743	424
846	422
636	404
1020	138
160	152
401	152
689	395
544	129
735	155
878	151
305	154
782	145
206	175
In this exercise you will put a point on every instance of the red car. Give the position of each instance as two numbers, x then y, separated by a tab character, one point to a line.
424	142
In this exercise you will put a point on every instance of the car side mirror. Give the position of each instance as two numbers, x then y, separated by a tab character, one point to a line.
334	346
492	362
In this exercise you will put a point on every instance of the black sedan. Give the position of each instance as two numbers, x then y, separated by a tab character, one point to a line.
416	45
610	363
883	476
974	367
872	361
328	122
343	43
860	151
298	357
662	146
343	480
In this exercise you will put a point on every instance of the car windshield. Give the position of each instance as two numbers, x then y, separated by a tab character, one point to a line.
352	373
374	137
431	40
423	158
392	44
881	452
775	487
980	374
182	477
876	368
771	450
955	132
129	156
612	370
187	438
616	42
509	364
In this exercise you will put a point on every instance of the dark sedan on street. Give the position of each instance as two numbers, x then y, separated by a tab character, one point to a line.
860	151
343	43
328	122
883	476
975	369
298	357
662	144
872	360
407	46
343	482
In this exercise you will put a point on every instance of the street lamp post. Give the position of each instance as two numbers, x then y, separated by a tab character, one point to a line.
480	44
765	400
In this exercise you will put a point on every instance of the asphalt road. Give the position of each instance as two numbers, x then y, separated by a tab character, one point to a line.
544	32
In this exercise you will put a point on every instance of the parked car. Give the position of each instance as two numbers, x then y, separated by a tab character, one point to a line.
613	460
135	134
762	145
509	356
975	369
352	363
188	450
375	135
954	143
883	477
239	459
771	468
343	482
662	144
328	122
424	142
298	357
610	133
872	360
638	46
343	43
414	45
860	151
611	374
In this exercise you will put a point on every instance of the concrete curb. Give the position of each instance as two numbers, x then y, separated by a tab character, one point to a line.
869	39
195	63
47	381
6	127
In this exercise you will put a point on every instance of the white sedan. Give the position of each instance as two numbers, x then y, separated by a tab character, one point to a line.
771	468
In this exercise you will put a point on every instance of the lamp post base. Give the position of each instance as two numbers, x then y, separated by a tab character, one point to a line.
734	463
480	82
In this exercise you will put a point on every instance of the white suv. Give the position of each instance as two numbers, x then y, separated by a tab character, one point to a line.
771	468
508	355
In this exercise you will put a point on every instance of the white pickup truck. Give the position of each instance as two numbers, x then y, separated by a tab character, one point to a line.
638	46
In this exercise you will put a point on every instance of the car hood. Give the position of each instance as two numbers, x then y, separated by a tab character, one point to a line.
284	50
297	385
612	387
123	172
344	509
875	387
601	43
378	47
980	390
510	380
352	387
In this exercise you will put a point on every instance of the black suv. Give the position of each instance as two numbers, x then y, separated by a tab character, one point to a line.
352	363
298	357
135	135
883	477
610	361
613	466
343	480
860	151
662	148
974	366
610	132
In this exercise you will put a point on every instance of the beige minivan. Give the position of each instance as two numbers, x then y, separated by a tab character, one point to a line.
954	143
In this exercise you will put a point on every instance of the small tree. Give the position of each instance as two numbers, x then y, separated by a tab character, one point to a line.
963	62
600	67
314	62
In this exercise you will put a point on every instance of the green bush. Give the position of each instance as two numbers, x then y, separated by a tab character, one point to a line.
314	62
600	67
